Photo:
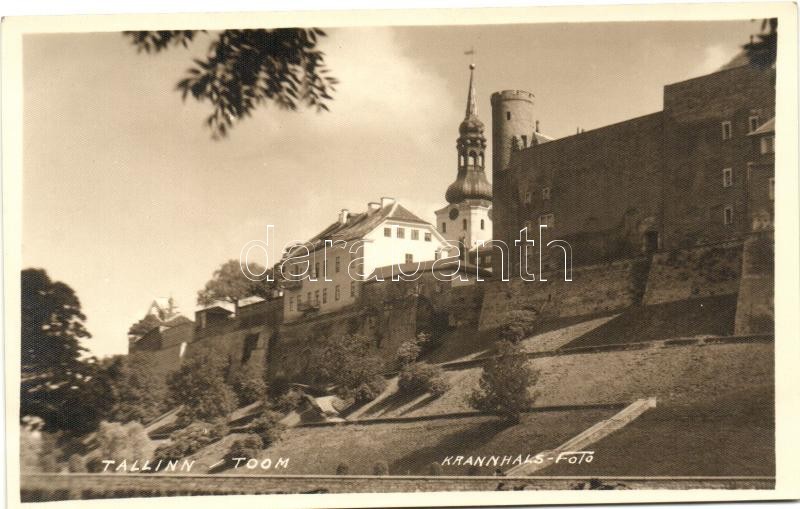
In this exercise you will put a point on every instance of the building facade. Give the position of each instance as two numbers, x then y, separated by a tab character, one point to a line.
325	273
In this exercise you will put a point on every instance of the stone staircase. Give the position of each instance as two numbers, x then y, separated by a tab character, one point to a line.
587	437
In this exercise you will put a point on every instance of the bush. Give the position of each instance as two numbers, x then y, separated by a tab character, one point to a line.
351	363
247	447
342	469
123	441
191	439
408	352
435	468
76	464
421	377
518	325
380	468
199	385
278	386
248	385
369	390
268	427
504	384
289	401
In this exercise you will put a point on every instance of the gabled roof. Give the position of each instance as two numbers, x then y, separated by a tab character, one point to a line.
766	127
359	226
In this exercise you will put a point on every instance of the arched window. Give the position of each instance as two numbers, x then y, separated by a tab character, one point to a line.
482	224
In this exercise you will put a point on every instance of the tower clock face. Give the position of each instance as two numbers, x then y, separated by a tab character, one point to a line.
453	214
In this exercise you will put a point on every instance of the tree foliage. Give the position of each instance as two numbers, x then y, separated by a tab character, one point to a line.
229	284
518	324
118	441
763	50
351	363
504	386
143	326
191	439
248	384
139	390
69	393
199	385
246	69
420	378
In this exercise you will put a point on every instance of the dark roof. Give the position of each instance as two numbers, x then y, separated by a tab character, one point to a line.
178	320
385	272
359	225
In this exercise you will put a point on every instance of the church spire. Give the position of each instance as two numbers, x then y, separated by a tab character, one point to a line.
472	109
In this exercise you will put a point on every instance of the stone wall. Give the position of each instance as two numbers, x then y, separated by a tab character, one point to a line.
694	272
594	289
755	309
44	487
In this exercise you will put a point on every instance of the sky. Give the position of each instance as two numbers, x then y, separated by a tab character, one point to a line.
126	197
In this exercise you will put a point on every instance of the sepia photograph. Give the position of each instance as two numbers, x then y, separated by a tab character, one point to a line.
335	254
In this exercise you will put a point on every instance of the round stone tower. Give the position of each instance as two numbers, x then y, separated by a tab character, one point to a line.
512	118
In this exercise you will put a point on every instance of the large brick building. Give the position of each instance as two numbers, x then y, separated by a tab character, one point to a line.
687	175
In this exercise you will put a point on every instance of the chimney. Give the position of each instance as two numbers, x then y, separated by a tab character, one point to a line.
343	215
386	201
373	206
537	126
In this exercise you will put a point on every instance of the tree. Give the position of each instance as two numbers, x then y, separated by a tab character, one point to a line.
763	52
519	324
504	386
245	69
199	385
248	384
351	363
420	378
139	389
229	284
67	392
117	441
143	326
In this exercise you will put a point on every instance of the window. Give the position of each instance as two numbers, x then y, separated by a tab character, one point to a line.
387	232
352	288
463	224
291	303
524	141
316	297
337	292
482	224
752	123
727	130
768	145
528	196
444	227
324	295
414	234
508	115
316	270
728	214
401	233
772	188
299	302
546	193
338	264
409	258
727	177
547	220
427	237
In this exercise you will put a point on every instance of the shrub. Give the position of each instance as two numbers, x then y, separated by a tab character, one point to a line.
435	468
278	386
504	384
289	401
123	441
380	468
191	439
351	363
268	427
247	447
76	464
421	377
342	469
248	385
518	325
408	352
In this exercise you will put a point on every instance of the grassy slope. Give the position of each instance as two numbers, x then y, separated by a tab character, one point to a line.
412	447
728	435
673	375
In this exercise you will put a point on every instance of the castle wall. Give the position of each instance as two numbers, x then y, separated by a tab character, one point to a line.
696	153
755	309
594	289
701	271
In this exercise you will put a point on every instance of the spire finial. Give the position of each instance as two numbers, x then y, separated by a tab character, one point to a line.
472	108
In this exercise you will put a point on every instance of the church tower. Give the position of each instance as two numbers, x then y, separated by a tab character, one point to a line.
467	217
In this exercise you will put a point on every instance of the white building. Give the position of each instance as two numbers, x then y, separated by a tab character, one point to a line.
326	272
